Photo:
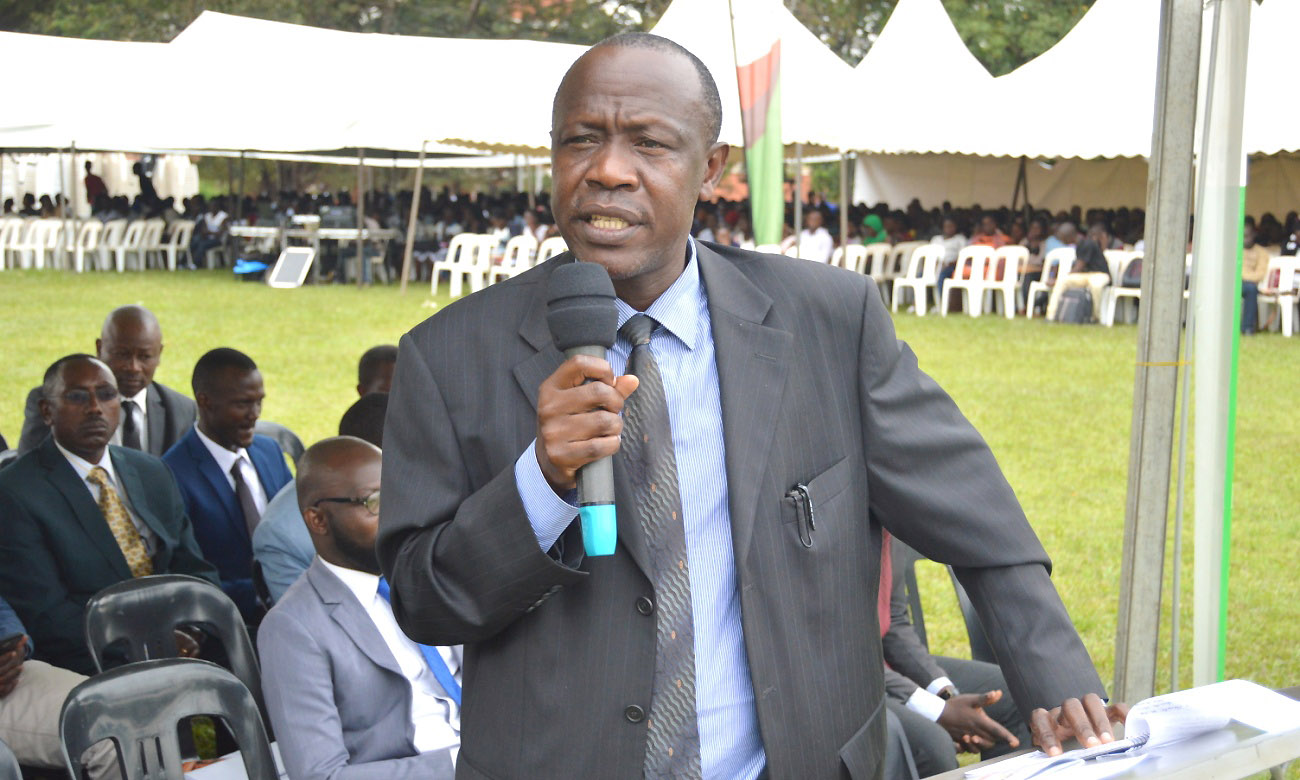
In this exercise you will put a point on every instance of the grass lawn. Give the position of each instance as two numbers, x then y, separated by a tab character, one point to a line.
1054	403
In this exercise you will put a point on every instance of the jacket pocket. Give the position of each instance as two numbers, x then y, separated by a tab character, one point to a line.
864	751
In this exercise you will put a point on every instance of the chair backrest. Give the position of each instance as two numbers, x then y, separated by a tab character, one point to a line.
924	262
1058	263
114	231
1280	276
899	255
182	232
47	233
906	557
837	257
873	260
1009	261
10	229
142	614
139	706
135	234
520	251
153	232
289	442
462	248
855	258
555	245
973	262
1116	259
89	234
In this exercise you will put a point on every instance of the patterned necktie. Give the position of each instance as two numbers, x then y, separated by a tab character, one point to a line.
119	522
673	741
432	658
247	504
130	431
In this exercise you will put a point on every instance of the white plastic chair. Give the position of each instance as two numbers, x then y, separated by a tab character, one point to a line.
968	278
1056	265
1013	259
153	252
179	242
39	238
551	247
1283	292
855	258
768	249
1111	296
837	257
87	243
109	240
922	274
131	243
518	258
468	256
900	254
874	262
11	229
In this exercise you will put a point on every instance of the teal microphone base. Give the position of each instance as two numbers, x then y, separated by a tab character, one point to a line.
599	528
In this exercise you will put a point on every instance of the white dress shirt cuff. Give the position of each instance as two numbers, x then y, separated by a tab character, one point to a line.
548	514
925	704
939	684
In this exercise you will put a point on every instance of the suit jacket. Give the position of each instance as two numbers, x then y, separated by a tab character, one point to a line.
211	503
910	664
56	549
169	414
816	390
338	701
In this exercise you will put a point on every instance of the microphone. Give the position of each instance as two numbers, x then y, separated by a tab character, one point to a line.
583	319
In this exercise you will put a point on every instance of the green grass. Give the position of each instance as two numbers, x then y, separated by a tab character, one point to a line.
1054	403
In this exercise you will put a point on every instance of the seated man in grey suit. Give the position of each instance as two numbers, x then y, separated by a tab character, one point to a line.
154	416
348	694
924	692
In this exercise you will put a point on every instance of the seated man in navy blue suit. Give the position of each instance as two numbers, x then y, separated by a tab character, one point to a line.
226	473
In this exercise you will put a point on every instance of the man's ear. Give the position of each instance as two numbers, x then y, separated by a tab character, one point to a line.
715	164
99	344
47	412
315	522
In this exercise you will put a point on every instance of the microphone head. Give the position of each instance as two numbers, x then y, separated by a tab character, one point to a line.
580	308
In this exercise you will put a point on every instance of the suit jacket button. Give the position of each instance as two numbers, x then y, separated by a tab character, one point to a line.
644	605
634	714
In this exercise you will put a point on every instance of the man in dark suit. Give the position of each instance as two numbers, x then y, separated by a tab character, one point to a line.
154	416
226	473
347	692
772	414
86	515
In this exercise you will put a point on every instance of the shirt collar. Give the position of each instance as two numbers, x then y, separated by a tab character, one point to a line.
677	308
139	398
225	458
83	466
364	586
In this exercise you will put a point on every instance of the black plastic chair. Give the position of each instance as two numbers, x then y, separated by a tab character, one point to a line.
980	647
139	707
141	615
260	588
287	439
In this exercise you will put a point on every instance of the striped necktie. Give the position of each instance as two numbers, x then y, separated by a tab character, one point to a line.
431	657
119	522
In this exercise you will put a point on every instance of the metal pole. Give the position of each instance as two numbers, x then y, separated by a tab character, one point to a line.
844	206
361	219
1217	302
411	220
1155	385
798	197
239	196
73	205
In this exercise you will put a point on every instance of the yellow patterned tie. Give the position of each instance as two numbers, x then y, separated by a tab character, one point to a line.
119	522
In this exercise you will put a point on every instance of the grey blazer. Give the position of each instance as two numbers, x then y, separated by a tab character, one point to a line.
816	390
170	416
339	704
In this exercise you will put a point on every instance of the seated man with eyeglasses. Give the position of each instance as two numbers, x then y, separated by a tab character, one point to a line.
86	514
344	685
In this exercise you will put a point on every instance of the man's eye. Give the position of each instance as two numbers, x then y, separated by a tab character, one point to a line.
579	140
650	143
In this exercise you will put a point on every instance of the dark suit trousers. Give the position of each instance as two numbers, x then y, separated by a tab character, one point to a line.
931	747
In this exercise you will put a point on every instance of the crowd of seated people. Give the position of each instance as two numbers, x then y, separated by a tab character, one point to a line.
121	477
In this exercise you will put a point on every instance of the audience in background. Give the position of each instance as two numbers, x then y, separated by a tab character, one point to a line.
1254	267
154	417
85	515
344	685
1090	271
815	242
225	471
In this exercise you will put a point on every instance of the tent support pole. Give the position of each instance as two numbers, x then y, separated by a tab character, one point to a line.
1169	197
798	196
844	205
412	219
239	196
361	218
72	206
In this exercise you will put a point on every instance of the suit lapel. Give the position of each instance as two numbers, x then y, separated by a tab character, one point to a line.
211	472
534	369
65	480
342	606
157	421
752	362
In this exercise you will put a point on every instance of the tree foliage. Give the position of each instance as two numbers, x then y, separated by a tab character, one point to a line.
1003	34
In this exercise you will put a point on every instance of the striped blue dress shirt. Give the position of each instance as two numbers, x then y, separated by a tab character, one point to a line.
730	745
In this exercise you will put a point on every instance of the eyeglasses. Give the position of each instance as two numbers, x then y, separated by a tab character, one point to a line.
370	502
80	397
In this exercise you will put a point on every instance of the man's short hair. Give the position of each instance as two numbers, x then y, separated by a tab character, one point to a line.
708	87
371	361
213	363
51	377
365	419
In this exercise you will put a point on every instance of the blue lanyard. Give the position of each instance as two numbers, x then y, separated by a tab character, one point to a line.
431	657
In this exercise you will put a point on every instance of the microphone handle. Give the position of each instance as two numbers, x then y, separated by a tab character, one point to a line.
596	490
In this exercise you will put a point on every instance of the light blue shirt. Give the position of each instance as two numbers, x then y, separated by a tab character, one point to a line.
730	744
282	543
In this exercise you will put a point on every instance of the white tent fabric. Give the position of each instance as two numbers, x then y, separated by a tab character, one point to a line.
1272	121
918	40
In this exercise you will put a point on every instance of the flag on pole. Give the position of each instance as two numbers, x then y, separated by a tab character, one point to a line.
758	73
